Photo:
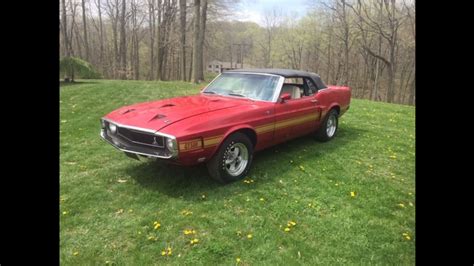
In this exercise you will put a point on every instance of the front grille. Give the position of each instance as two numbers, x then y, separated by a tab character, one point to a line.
141	137
136	141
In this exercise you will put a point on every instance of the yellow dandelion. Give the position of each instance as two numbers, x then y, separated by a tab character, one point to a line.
189	232
401	205
287	229
249	236
239	233
163	253
301	168
292	223
237	260
186	212
203	196
262	199
156	225
353	194
194	241
407	236
411	204
75	253
64	212
409	193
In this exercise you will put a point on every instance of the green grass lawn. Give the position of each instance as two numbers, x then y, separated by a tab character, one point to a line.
109	203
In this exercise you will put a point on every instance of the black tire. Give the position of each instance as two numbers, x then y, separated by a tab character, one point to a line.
217	165
322	133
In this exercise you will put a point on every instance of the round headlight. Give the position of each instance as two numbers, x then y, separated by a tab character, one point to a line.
171	144
113	128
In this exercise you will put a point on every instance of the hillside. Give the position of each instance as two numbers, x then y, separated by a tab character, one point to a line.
109	203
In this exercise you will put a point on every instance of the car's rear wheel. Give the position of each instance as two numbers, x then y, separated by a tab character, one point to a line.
233	159
329	126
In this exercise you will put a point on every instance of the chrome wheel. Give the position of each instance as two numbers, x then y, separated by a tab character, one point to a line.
236	159
331	125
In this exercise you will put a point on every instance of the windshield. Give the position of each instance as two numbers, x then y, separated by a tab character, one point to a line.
253	86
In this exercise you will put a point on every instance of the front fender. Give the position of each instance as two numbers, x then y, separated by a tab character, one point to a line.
229	132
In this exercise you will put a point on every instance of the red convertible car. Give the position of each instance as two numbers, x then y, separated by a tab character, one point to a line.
238	113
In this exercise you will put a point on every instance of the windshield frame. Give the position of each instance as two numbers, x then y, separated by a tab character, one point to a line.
276	92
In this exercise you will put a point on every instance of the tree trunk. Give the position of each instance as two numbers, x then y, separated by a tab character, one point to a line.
123	42
196	48
182	16
159	56
328	70
152	29
84	22
191	66
101	38
202	36
64	29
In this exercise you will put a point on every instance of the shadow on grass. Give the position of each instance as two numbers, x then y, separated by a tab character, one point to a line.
186	182
67	84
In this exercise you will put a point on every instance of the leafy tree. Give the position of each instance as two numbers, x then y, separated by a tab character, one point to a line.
70	67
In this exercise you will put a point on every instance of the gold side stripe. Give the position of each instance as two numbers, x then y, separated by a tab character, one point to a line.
296	121
188	141
183	145
212	142
215	140
264	128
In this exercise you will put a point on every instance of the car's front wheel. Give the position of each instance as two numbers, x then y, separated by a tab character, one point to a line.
233	159
328	126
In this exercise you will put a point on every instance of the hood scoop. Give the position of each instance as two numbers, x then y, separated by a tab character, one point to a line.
158	116
167	105
127	111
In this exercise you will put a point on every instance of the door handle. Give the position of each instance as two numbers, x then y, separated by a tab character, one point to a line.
314	101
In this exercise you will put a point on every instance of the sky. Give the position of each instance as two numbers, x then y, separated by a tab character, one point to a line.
254	10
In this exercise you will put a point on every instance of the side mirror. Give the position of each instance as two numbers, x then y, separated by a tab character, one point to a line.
285	97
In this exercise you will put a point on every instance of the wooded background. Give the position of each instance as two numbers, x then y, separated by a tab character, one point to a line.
368	45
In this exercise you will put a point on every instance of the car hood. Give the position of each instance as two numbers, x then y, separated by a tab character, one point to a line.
158	114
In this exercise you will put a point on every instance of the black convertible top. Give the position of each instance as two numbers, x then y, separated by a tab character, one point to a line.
287	73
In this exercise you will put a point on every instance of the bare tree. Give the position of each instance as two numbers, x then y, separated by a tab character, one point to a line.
113	14
123	41
64	29
84	23
182	17
388	30
101	36
271	21
152	30
196	48
202	35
